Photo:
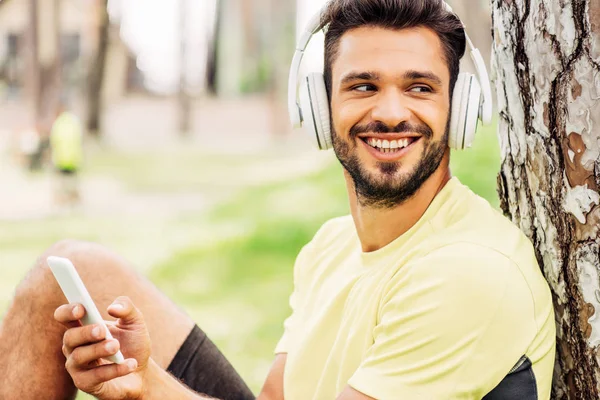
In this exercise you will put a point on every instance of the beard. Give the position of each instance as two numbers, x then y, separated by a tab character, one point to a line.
387	189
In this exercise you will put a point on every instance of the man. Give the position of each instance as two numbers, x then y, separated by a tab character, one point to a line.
424	292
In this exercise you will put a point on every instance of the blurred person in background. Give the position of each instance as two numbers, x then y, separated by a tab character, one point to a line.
28	148
67	154
424	292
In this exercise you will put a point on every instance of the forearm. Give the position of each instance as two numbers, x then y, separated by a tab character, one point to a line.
160	385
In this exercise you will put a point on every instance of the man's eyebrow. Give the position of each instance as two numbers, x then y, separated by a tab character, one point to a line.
360	76
374	76
428	75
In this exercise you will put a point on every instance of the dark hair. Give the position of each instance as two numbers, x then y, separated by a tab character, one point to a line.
343	15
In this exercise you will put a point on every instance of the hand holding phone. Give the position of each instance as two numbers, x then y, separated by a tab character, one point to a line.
75	291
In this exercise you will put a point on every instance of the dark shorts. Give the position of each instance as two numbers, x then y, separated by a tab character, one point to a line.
203	368
66	171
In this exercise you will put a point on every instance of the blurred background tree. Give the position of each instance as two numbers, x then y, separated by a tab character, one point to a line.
96	68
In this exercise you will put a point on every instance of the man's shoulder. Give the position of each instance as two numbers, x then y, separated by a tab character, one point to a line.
463	279
473	224
335	230
462	256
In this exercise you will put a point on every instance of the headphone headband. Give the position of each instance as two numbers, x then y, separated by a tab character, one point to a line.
313	27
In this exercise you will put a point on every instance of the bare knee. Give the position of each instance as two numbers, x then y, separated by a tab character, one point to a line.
106	276
92	261
39	283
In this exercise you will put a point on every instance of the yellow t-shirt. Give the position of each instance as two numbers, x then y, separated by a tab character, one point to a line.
445	311
65	140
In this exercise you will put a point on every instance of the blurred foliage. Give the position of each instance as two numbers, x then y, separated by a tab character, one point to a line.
258	78
478	167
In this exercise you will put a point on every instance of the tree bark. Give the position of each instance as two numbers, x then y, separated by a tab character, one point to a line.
96	74
547	64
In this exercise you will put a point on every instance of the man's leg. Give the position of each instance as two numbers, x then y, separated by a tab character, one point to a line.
31	361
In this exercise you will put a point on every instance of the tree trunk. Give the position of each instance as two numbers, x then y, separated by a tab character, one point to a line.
183	98
279	50
43	83
475	14
33	81
547	60
96	74
50	61
213	50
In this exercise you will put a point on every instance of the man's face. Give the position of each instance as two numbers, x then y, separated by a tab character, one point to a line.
390	110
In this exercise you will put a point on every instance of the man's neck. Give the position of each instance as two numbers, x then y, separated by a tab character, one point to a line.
377	227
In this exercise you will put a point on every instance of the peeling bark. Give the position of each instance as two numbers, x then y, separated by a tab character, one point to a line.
546	62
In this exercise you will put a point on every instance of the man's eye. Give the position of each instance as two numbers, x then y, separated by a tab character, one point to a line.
364	88
421	89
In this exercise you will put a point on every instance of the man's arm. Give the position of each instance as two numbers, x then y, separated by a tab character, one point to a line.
160	385
273	387
441	322
351	394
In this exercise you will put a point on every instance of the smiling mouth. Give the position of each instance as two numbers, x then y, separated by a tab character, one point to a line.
389	146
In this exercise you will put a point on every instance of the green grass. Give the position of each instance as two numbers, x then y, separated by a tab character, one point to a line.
167	171
478	167
230	265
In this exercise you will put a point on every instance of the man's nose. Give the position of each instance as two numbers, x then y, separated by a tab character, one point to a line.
390	108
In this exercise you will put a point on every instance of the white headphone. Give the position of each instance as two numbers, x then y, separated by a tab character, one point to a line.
471	98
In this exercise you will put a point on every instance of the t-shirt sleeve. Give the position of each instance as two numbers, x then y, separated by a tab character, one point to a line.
296	298
451	325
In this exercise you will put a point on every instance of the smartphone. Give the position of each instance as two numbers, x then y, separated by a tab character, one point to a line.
74	290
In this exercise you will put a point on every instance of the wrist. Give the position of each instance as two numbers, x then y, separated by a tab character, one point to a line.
158	384
150	375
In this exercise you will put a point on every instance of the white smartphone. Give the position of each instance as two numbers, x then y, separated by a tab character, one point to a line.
72	286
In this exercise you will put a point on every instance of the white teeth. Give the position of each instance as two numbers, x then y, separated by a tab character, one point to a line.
387	146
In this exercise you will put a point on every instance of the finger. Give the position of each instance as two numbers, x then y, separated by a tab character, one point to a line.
93	377
82	357
69	314
113	328
82	335
124	309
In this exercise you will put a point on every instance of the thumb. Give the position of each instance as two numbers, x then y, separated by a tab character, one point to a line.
124	309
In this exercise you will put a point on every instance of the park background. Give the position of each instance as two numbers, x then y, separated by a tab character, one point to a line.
191	171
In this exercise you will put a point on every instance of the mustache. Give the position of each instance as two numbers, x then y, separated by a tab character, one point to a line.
380	127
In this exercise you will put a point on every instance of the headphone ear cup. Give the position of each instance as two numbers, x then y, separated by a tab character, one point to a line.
314	105
466	99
